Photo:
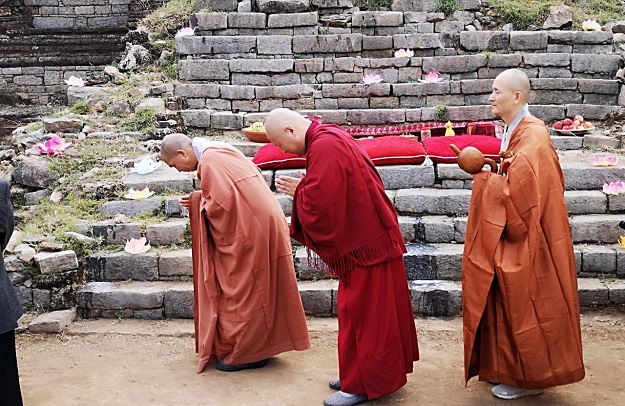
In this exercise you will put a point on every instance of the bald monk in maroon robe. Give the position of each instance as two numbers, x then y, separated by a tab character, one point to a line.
246	303
343	215
519	282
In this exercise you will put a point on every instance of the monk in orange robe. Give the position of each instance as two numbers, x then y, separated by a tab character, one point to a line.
247	306
519	282
343	215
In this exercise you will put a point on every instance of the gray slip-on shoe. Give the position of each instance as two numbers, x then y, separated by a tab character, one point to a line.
335	384
338	399
510	392
222	366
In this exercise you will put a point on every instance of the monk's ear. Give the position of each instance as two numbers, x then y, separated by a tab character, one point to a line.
182	153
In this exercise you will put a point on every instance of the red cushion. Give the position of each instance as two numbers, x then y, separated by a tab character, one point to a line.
439	151
393	150
271	157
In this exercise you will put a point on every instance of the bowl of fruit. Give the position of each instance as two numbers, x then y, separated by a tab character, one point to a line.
256	132
575	126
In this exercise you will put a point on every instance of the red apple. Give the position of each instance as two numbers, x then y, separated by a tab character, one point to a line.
567	121
577	123
587	124
568	127
557	125
579	118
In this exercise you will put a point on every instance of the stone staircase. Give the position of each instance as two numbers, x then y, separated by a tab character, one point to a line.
241	64
432	202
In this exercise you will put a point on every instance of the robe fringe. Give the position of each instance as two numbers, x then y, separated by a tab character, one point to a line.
365	255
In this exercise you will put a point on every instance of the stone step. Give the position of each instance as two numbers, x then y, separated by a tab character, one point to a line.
252	90
158	300
227	120
423	260
171	232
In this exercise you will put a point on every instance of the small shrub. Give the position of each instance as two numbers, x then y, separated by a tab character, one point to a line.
442	113
446	7
165	21
380	4
80	107
142	120
170	71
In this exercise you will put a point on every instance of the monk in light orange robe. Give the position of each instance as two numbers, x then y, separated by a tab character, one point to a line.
519	282
247	306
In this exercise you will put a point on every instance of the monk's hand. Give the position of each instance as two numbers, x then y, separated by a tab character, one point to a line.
288	184
184	201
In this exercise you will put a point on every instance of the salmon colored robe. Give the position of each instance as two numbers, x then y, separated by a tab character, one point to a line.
519	282
246	302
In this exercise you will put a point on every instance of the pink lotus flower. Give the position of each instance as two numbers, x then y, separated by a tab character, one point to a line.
75	81
137	246
371	78
404	53
186	31
431	77
604	160
54	146
614	188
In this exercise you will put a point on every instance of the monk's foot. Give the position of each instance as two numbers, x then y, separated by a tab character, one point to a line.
335	384
493	382
344	399
510	392
222	366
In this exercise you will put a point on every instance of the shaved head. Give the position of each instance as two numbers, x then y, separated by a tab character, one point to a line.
177	151
173	142
515	80
287	130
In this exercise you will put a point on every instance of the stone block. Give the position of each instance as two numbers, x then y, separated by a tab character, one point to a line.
292	20
196	118
484	40
560	60
420	89
407	227
477	86
148	314
282	6
366	19
581	176
432	201
371	43
261	65
53	322
318	297
340	43
226	121
414	5
130	208
436	298
616	203
565	143
106	295
234	92
308	65
339	64
216	5
49	262
586	201
599	86
168	233
616	292
210	21
247	20
41	298
597	141
551	97
454	64
355	90
275	45
120	266
175	263
199	45
608	100
406	176
553	84
179	302
592	293
204	69
360	117
524	40
416	41
595	228
601	64
598	259
589	112
547	113
435	229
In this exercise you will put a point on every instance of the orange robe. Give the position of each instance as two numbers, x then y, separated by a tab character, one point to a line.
519	282
246	301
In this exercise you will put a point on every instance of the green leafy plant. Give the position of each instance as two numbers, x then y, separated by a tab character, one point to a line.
379	4
80	107
142	120
166	20
447	7
442	112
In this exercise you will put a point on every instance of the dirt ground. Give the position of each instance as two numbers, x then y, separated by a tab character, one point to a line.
131	362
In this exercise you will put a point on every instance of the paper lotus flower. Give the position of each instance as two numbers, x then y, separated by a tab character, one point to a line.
431	77
54	146
614	188
186	31
137	246
138	194
591	25
75	81
145	166
604	160
404	53
371	78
